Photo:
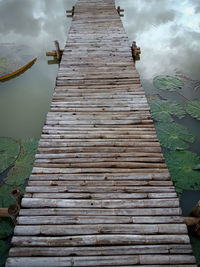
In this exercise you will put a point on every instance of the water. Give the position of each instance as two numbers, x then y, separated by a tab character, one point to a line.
25	100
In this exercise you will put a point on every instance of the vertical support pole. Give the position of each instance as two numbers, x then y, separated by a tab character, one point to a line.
119	10
58	53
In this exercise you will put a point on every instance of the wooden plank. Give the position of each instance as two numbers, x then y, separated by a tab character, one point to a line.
91	240
102	260
109	250
63	203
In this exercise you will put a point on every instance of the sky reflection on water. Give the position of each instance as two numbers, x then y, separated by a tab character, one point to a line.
167	31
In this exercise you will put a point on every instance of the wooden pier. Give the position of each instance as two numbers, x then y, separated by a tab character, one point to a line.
100	193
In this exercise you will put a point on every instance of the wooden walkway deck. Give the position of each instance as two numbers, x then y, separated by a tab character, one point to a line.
100	193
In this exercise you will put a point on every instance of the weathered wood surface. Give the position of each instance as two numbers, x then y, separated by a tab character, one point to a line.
100	193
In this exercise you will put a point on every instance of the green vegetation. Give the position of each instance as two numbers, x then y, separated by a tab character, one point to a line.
166	82
162	110
193	108
9	151
196	248
17	176
4	249
173	136
181	165
22	155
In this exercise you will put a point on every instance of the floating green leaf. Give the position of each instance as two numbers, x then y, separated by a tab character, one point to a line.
193	108
173	135
24	164
196	248
181	166
6	227
162	110
17	176
4	249
9	151
166	82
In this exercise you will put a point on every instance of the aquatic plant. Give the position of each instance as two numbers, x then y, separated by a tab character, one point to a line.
174	136
193	109
9	151
4	249
16	177
166	82
196	248
162	110
181	165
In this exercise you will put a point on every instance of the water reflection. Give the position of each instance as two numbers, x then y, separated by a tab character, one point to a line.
25	100
167	31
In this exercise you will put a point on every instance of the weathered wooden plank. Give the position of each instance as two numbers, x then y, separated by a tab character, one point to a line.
51	220
95	228
109	250
63	203
90	240
100	260
102	177
102	211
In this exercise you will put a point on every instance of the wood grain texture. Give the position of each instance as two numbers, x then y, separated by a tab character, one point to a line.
100	193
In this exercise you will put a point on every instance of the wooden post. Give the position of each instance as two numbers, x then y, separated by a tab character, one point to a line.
191	221
71	12
12	211
58	53
196	210
55	53
135	51
119	10
16	195
4	213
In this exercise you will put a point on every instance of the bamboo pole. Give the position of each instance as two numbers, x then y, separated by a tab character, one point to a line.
13	210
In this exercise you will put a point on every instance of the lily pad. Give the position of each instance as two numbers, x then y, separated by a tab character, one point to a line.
166	82
24	164
4	249
6	227
162	110
193	108
9	151
173	136
196	248
17	176
181	166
